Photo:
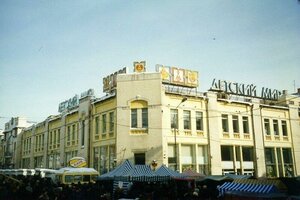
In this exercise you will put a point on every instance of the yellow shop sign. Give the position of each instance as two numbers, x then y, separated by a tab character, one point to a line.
77	162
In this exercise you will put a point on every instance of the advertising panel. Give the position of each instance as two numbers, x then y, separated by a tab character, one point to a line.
178	76
139	66
249	90
110	81
77	162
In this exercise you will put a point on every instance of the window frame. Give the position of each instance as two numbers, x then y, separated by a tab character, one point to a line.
134	118
225	123
174	118
284	128
145	118
267	127
245	120
111	121
235	124
104	121
186	119
275	127
199	120
97	125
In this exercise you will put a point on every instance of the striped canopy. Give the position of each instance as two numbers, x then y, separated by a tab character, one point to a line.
122	169
163	170
251	188
141	173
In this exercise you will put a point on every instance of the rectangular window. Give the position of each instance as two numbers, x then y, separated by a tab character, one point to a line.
237	153
203	160
174	118
29	144
187	119
186	154
103	159
73	132
40	141
139	158
284	128
227	153
111	121
36	144
247	153
287	155
225	123
134	118
202	155
145	117
270	162
171	155
96	158
270	157
82	132
235	123
69	133
112	156
288	162
51	138
58	136
275	127
104	124
43	137
97	125
54	137
245	125
267	126
199	121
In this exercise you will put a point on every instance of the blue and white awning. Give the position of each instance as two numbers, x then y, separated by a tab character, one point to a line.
122	169
163	170
141	173
251	188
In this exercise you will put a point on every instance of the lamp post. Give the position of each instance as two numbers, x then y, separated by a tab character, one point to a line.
175	133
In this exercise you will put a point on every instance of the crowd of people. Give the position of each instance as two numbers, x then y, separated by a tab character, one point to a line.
35	187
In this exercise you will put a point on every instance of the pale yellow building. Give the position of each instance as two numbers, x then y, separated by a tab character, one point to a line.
217	132
160	117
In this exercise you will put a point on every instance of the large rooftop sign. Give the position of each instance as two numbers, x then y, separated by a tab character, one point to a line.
178	76
74	101
249	90
110	81
68	104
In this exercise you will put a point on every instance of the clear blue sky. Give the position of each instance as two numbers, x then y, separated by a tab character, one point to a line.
51	50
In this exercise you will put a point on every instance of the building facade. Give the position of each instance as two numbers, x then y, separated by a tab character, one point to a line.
160	117
10	151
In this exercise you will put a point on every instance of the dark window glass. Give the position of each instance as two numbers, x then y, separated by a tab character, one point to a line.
139	158
133	118
226	153
247	153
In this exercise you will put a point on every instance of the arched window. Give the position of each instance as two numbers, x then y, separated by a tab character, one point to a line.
139	114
